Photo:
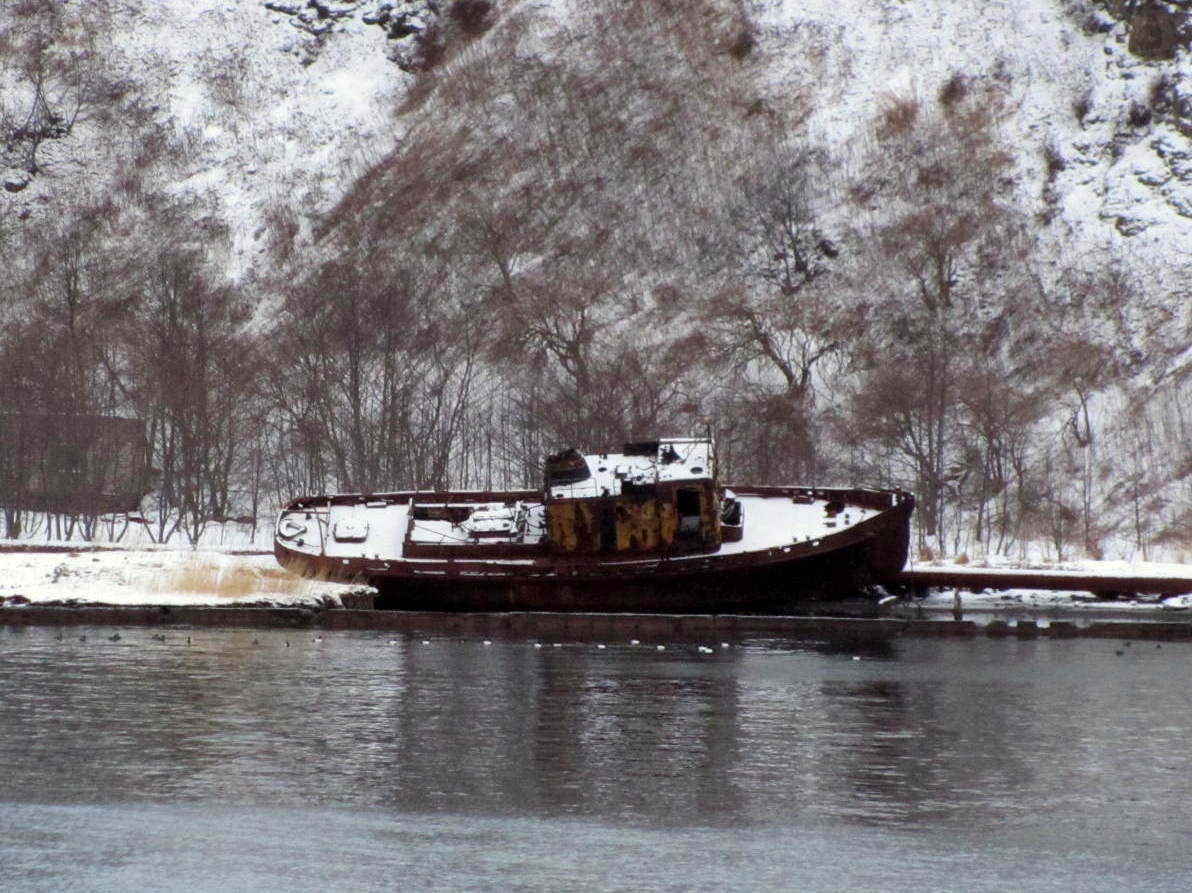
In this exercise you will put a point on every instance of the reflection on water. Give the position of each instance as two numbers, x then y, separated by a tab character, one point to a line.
775	756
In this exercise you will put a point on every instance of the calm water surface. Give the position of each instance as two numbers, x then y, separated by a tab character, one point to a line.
263	760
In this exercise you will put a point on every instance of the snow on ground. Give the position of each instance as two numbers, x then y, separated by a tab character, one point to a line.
159	576
1085	567
180	576
1029	604
1011	603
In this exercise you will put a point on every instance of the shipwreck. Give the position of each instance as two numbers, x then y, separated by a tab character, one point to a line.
647	529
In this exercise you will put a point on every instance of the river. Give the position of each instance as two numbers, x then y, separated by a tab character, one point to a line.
137	759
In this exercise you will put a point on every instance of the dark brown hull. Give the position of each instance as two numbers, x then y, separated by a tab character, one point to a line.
840	565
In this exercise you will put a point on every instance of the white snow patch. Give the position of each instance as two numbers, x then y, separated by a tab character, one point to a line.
157	577
1030	603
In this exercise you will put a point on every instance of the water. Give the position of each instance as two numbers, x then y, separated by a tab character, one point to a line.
367	762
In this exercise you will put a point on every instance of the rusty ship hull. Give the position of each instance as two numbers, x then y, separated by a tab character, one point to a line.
798	544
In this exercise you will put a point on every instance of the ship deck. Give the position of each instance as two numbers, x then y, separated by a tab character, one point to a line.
776	520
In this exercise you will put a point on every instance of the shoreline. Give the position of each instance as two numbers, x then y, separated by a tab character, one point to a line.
584	627
61	546
112	584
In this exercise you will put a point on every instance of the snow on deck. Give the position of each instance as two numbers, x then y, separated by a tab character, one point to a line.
676	459
769	522
775	521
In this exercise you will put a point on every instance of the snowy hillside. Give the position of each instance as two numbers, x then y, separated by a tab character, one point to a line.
1081	102
541	221
280	112
256	122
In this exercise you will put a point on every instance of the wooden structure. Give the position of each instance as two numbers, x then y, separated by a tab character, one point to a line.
72	463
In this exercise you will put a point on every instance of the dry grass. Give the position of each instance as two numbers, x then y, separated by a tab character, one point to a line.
898	115
230	582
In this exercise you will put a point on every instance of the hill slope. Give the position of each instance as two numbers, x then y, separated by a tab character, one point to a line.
945	244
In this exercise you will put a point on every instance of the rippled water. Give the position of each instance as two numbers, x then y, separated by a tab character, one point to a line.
252	760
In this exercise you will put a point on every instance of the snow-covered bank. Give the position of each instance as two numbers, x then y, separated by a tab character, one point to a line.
159	576
1014	602
180	576
1158	570
1034	603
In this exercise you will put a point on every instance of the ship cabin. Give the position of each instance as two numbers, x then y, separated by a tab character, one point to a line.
657	496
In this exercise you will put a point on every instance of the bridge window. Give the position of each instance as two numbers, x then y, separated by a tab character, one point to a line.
688	506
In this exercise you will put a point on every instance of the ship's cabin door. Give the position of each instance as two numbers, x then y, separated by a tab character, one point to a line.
687	507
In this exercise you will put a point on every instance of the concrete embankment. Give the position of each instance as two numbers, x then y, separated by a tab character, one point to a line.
581	627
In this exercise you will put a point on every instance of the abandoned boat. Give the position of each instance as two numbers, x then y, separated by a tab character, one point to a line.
646	529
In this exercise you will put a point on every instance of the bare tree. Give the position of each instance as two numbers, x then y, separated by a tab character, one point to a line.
189	370
49	79
373	372
943	242
783	329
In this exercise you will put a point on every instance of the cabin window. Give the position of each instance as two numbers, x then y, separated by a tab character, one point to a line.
688	507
